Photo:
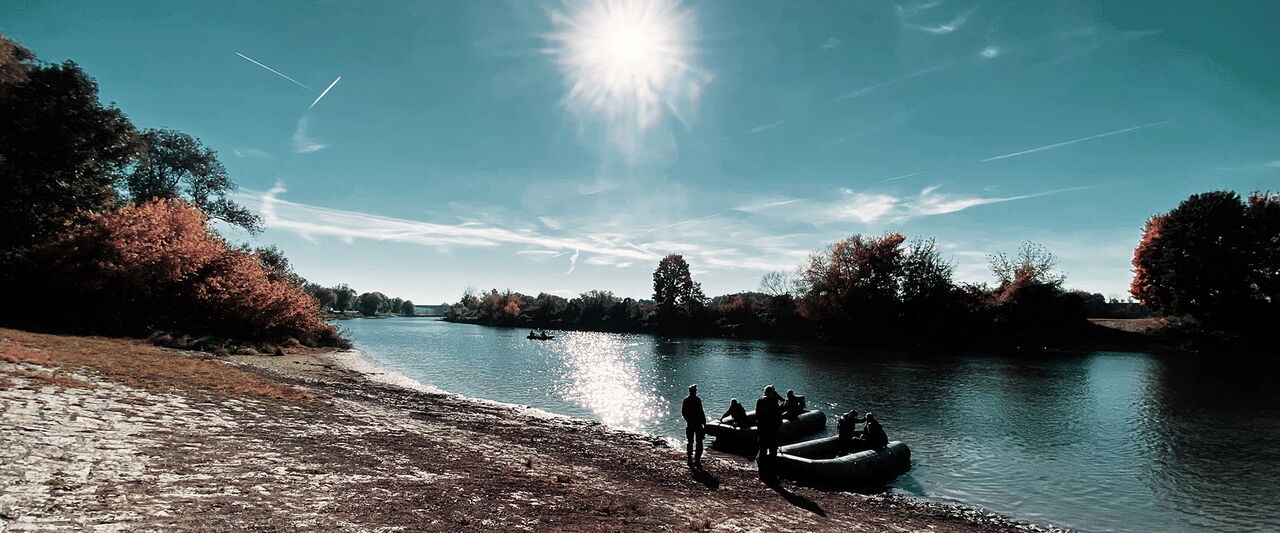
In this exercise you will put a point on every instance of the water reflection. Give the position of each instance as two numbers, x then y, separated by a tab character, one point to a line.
602	373
1105	441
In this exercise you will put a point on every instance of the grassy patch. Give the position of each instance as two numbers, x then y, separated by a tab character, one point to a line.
141	365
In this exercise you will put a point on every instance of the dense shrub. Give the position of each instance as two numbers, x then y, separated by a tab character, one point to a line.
159	268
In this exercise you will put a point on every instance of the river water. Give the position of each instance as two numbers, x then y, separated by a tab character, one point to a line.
1104	441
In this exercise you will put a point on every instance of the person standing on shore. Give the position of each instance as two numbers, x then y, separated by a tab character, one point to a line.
695	425
769	422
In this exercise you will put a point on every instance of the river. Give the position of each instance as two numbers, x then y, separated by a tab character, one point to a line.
1103	441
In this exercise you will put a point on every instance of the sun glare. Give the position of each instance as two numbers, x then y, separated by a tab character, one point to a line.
627	62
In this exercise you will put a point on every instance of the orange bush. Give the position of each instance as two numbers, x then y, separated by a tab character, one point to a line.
159	267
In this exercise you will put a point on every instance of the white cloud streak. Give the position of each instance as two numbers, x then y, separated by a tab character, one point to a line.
326	91
770	125
311	221
275	71
870	88
247	152
871	208
1074	141
896	178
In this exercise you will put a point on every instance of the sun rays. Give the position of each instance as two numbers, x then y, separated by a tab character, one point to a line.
627	65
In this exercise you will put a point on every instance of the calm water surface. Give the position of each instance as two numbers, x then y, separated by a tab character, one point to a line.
1099	442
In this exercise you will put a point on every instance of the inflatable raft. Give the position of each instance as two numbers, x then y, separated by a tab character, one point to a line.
729	436
815	461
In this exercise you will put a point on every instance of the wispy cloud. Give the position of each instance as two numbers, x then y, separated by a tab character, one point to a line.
1250	166
989	52
757	207
247	152
870	88
573	261
326	91
313	221
549	222
300	84
942	29
870	208
770	125
896	178
302	141
909	15
896	119
830	43
1074	141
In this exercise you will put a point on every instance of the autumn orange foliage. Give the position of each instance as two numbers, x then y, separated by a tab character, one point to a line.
162	268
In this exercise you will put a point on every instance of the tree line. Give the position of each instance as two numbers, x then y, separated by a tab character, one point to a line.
111	229
880	290
341	299
1210	268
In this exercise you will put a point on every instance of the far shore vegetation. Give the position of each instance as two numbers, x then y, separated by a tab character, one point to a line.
1209	270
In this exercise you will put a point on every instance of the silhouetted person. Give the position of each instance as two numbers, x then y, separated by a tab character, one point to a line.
846	430
695	423
793	406
873	436
737	414
769	422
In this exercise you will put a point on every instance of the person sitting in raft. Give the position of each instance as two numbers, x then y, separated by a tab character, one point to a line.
873	436
846	429
737	414
794	405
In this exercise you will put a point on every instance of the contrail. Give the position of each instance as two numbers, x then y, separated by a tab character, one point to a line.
868	89
275	71
904	176
1073	141
326	91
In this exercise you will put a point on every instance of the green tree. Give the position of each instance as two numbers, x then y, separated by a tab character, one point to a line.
370	303
344	298
325	295
673	285
61	151
177	165
276	264
1032	264
407	309
1212	258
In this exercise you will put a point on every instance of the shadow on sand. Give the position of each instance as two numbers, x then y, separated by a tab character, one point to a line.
704	477
798	500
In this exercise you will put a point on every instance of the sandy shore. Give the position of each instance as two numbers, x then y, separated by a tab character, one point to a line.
324	441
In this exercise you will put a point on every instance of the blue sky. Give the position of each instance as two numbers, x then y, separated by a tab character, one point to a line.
567	146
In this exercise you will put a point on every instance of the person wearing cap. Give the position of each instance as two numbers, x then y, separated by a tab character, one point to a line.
695	425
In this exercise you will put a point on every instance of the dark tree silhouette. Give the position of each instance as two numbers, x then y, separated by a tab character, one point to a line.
673	285
177	165
61	150
1213	258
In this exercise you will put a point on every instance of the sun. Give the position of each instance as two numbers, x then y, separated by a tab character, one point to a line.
626	61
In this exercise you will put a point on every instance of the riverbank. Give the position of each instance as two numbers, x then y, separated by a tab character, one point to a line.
113	434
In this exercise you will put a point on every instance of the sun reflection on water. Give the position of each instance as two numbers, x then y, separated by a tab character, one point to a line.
601	372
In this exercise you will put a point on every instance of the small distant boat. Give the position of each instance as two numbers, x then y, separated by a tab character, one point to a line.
816	461
729	436
543	337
